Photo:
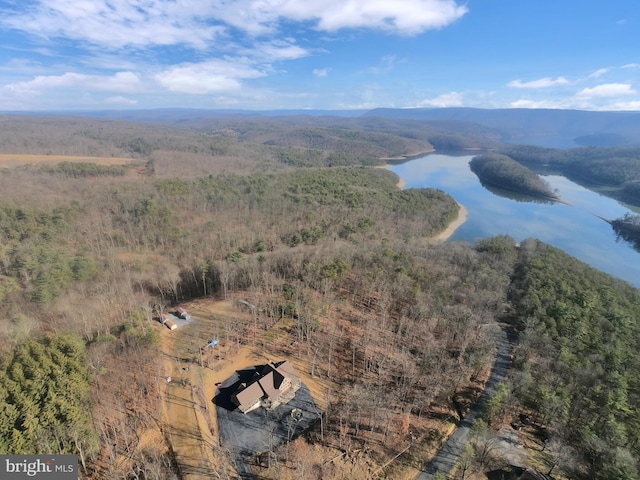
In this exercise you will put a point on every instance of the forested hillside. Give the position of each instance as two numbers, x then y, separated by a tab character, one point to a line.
578	361
398	327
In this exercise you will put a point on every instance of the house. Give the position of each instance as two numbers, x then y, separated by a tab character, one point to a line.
267	386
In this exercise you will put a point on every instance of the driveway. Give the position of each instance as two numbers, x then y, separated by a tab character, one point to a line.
447	457
259	431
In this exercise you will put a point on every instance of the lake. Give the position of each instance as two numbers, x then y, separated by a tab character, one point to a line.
574	228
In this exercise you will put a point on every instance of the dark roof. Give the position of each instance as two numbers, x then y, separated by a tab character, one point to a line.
265	382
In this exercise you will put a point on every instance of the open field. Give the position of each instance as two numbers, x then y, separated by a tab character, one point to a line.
11	160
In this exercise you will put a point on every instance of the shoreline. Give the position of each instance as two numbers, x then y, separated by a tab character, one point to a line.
446	234
404	158
401	182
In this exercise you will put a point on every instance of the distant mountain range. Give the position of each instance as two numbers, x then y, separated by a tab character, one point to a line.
543	127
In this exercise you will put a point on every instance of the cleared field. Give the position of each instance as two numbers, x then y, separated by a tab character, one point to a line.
9	160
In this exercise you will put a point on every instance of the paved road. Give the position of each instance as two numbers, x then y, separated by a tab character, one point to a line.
448	455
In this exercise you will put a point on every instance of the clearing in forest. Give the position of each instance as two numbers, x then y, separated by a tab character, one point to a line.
191	424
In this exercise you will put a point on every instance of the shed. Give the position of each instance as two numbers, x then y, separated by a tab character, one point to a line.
170	324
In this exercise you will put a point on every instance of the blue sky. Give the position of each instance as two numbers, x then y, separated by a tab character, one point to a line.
319	54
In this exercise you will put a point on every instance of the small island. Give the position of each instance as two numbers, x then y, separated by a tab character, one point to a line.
502	171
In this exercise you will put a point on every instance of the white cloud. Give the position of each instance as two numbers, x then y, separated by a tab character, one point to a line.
115	24
118	23
119	82
607	90
599	72
119	100
408	17
321	72
631	66
451	99
213	76
541	83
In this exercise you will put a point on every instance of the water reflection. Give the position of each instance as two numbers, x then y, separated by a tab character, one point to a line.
574	228
627	229
518	197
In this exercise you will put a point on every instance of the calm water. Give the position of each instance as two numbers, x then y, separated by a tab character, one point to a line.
576	229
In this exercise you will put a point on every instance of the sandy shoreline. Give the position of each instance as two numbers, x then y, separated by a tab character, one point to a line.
401	183
453	226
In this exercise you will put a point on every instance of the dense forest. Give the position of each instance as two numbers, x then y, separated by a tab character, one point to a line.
400	328
504	172
577	360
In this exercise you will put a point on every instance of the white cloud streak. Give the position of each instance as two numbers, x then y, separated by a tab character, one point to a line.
633	105
451	99
541	83
119	100
599	72
120	82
